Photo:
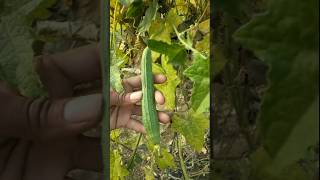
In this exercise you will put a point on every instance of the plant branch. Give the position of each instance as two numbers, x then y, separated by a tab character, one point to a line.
134	152
186	44
183	167
125	146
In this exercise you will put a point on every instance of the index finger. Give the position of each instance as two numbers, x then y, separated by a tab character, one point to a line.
135	82
77	65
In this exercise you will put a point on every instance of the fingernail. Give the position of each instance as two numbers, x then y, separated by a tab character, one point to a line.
83	108
162	77
136	96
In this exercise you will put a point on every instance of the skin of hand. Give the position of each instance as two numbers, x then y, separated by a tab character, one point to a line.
42	138
121	116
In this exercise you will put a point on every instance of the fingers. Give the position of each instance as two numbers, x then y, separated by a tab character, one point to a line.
159	97
163	117
81	64
125	99
138	126
88	154
159	78
83	109
135	125
137	110
64	118
48	160
132	98
44	118
69	68
135	82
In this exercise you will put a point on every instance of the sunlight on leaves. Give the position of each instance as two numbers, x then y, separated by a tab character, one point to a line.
117	170
199	74
168	89
192	127
165	160
149	17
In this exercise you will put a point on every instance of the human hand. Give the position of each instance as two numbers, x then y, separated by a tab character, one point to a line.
123	106
41	138
44	136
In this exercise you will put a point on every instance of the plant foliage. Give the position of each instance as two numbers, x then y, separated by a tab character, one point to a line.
170	32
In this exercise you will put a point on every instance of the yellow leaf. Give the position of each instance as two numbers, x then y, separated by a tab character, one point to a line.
168	89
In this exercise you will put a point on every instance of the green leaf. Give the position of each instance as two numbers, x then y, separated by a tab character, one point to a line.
150	15
287	38
28	80
126	3
219	61
115	134
165	160
199	74
173	18
157	69
168	89
117	170
176	53
29	7
261	162
115	79
119	59
148	173
8	6
204	45
235	8
160	46
160	30
42	12
135	9
192	127
182	6
204	26
306	132
16	55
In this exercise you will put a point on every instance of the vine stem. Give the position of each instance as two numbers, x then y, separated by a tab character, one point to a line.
105	57
123	145
186	44
183	167
114	26
134	152
202	15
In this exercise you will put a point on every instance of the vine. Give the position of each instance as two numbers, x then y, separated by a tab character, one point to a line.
177	33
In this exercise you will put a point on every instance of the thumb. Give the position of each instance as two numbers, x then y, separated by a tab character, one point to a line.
125	99
44	118
82	109
71	117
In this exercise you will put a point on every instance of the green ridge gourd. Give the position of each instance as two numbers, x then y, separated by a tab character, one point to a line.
149	113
